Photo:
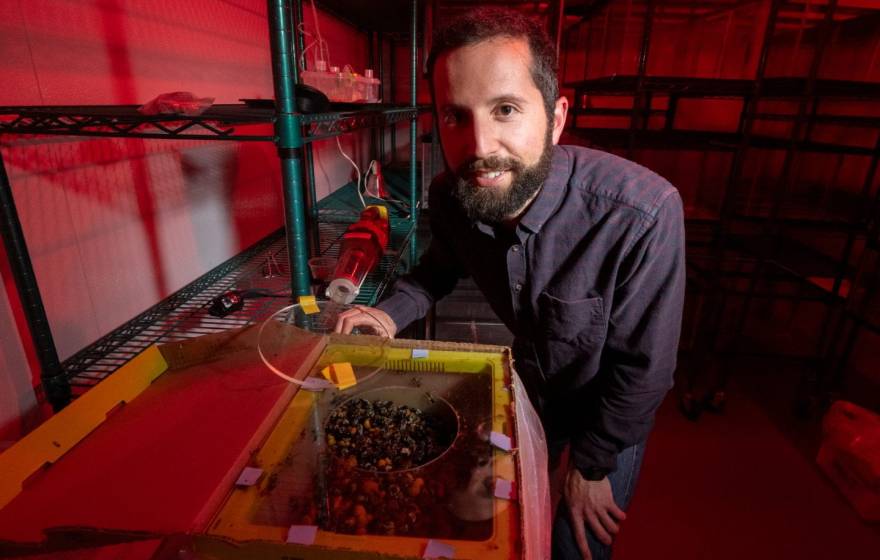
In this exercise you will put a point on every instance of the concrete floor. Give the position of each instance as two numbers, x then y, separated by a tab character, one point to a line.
742	484
736	485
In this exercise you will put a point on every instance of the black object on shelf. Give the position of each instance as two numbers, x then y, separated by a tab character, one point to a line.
226	303
308	100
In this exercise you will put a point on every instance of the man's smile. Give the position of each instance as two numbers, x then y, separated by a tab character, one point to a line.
489	178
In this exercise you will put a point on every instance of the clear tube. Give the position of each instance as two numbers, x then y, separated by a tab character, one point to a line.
351	271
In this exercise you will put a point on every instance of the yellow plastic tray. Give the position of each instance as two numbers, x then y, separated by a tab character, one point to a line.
232	534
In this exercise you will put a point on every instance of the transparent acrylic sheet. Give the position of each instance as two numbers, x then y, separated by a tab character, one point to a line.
451	496
287	324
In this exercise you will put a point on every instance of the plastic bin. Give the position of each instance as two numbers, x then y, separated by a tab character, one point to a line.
346	87
850	456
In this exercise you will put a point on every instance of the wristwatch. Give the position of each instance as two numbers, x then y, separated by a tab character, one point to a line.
593	473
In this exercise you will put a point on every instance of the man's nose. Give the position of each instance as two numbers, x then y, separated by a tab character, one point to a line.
484	142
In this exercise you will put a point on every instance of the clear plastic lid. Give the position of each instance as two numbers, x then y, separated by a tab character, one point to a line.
292	325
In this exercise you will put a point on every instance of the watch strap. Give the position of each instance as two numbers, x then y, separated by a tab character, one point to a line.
593	473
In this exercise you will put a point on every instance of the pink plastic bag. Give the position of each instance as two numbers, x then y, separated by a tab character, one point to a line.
535	489
177	103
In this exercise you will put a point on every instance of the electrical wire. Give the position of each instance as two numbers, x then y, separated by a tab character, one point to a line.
357	170
361	185
323	52
323	48
302	56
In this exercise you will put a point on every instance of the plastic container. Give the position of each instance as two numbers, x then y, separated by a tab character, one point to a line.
356	511
850	456
363	244
343	86
371	86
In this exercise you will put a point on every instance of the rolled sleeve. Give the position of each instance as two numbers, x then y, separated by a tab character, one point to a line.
433	278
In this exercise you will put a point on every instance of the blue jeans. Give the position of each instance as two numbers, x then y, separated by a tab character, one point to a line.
623	482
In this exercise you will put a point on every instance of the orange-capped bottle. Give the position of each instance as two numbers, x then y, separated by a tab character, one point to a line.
362	245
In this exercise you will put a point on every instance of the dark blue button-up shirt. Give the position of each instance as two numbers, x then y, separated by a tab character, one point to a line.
591	283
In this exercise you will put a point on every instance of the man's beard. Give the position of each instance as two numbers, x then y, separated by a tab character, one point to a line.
494	205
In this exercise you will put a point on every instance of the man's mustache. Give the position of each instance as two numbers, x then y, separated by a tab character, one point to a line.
493	163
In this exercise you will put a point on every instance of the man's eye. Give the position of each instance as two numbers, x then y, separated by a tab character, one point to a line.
506	110
450	118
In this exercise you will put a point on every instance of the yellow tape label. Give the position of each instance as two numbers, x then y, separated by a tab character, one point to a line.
308	305
340	374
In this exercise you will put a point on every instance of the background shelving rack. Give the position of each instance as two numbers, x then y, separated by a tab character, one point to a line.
182	314
790	239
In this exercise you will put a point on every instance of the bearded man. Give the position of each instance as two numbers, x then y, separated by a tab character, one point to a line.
579	252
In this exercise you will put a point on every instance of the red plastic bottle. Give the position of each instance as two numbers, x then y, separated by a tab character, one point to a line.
363	244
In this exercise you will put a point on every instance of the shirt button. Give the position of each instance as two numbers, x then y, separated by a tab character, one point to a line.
516	248
517	287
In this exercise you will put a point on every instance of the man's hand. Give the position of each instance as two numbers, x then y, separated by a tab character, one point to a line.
363	317
591	502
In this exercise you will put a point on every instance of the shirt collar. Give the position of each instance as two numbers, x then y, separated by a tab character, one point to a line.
551	194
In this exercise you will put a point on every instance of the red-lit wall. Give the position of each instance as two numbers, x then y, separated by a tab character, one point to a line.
115	225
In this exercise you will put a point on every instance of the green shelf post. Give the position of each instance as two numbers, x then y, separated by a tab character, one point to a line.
413	133
311	193
288	139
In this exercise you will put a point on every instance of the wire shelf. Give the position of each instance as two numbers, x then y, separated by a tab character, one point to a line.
185	314
218	122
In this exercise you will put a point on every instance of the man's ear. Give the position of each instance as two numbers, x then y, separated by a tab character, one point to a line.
560	110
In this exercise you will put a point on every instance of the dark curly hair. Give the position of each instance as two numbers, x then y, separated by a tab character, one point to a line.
482	24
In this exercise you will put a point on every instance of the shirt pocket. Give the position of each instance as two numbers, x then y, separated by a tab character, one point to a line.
571	331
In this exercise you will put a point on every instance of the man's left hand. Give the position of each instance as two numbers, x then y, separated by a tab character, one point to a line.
591	502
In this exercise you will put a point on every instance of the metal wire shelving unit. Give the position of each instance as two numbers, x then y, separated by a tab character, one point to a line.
219	122
185	314
640	76
308	230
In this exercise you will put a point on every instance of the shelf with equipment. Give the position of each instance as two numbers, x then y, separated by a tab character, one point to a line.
264	121
766	115
261	273
343	206
233	122
185	314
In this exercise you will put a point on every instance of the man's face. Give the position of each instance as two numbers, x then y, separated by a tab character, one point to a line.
494	128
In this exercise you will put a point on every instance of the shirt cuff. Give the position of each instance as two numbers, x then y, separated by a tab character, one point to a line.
587	452
401	308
